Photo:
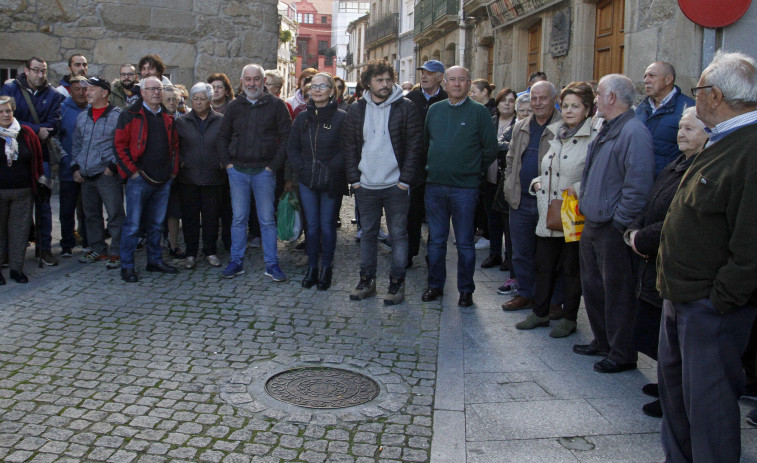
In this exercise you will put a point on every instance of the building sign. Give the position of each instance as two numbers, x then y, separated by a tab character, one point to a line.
559	37
504	12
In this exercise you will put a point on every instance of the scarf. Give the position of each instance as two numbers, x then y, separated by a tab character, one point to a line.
11	145
564	133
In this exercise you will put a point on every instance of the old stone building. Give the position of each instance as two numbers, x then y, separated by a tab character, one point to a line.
194	37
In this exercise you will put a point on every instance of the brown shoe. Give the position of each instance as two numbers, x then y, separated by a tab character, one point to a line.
517	303
555	311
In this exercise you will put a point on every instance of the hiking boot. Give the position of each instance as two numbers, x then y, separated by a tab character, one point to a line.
518	303
396	292
366	288
509	287
555	311
48	259
113	262
93	256
532	321
563	329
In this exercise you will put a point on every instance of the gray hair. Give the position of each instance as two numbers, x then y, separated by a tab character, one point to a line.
460	67
5	99
621	86
521	100
542	83
253	66
201	87
735	74
274	77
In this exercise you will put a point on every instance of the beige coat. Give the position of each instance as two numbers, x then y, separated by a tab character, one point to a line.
519	143
567	158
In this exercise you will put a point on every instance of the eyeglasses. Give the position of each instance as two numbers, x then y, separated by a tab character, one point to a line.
695	90
319	86
38	70
128	74
153	89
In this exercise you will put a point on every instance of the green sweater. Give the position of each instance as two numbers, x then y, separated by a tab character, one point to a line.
707	245
462	143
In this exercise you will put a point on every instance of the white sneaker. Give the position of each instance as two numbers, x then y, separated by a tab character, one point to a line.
213	260
483	243
189	263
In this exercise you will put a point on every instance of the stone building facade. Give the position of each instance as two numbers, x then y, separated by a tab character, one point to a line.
194	37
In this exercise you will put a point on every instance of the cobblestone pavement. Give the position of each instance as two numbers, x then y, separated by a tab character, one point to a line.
173	368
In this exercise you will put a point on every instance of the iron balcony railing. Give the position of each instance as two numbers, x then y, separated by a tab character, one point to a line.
427	12
388	26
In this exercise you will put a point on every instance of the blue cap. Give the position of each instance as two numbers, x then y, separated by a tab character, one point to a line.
432	66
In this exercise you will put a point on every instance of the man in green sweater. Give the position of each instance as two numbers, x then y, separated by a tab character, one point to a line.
462	143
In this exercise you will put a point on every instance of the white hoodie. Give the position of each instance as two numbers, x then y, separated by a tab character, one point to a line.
378	164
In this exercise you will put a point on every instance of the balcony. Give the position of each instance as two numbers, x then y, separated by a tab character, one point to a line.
441	14
348	59
382	30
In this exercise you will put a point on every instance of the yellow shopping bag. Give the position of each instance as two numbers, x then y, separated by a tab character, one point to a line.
572	220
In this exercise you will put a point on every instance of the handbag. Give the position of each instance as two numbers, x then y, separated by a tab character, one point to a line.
52	149
319	172
554	217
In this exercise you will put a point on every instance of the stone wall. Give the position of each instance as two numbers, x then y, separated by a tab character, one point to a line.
194	37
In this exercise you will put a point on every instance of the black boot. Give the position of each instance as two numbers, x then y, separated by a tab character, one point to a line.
311	278
324	282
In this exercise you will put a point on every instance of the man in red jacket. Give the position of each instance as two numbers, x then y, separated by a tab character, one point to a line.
148	159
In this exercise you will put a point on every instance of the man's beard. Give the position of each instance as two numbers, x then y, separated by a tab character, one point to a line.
129	85
253	94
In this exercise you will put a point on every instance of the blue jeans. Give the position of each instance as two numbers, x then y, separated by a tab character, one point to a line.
396	202
443	202
262	186
148	202
320	225
523	228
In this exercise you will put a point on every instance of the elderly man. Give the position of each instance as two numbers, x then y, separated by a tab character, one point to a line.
252	146
94	168
382	144
661	110
77	66
431	91
615	186
38	107
148	158
124	90
529	144
457	159
706	272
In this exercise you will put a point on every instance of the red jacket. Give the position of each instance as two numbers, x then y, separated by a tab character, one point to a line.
131	139
32	142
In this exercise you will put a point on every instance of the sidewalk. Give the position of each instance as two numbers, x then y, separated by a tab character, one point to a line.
174	368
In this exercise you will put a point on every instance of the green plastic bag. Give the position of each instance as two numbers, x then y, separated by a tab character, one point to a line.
288	220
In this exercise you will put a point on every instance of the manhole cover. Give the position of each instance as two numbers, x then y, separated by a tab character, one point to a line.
322	387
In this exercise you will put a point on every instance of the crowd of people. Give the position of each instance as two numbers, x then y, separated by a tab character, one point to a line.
665	263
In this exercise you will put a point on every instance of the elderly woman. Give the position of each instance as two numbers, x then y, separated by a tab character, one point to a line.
20	169
643	235
201	178
313	146
561	170
481	91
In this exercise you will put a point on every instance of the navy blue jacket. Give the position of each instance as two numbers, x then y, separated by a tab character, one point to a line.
46	101
663	125
69	112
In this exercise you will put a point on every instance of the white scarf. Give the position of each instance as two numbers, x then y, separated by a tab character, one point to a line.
11	145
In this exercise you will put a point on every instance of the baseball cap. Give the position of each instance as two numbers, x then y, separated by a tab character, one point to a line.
98	82
432	66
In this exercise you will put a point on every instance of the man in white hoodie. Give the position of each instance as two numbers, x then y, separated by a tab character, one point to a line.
382	141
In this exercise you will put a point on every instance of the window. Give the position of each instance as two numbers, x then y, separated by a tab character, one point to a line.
354	7
302	47
323	45
324	19
9	70
305	18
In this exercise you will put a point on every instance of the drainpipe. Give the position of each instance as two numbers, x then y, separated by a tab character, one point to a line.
461	39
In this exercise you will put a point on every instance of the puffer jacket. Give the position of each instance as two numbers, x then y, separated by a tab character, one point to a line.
93	149
317	131
255	136
521	135
405	132
131	139
198	151
566	157
663	125
649	226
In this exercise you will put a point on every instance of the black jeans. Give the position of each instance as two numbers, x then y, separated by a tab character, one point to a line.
554	257
415	216
494	219
196	201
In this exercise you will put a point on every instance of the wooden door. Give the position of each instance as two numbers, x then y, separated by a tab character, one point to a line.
534	49
608	51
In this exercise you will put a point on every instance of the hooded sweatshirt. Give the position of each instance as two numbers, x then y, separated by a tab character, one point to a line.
378	164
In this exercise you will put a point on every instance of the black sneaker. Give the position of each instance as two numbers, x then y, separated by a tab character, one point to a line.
177	253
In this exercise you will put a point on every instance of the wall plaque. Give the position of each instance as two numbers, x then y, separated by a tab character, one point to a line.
504	12
559	37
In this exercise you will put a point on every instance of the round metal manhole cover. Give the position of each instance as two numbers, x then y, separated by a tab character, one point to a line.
322	387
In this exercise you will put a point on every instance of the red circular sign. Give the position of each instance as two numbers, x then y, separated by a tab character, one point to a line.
714	13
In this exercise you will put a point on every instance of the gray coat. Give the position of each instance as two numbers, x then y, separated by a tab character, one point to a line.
199	163
92	149
619	173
